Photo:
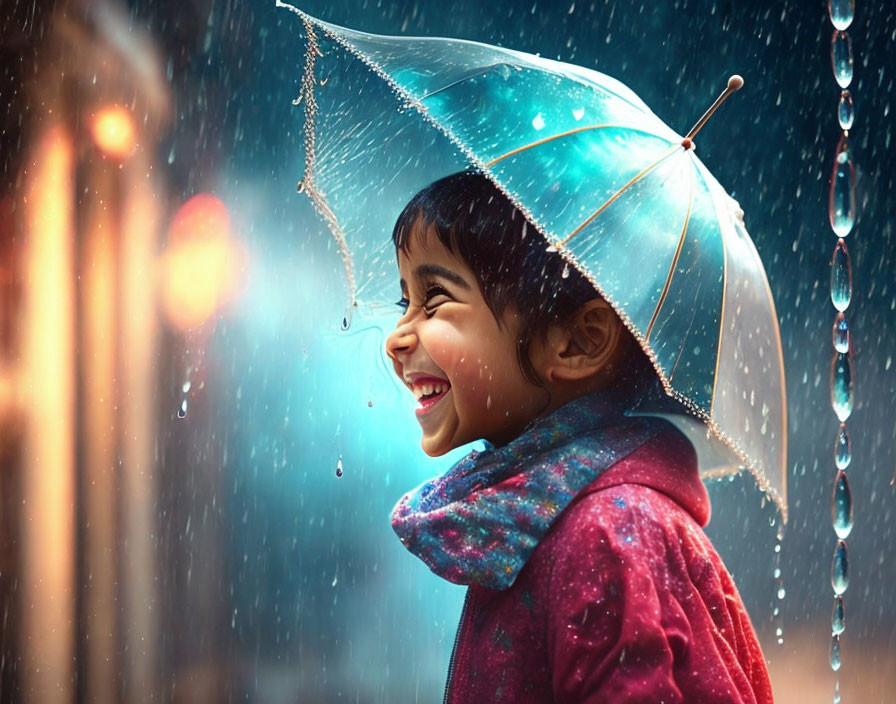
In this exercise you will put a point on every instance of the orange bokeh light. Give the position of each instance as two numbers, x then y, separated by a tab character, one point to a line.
114	131
199	270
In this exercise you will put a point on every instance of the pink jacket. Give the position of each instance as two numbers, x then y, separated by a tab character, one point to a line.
623	601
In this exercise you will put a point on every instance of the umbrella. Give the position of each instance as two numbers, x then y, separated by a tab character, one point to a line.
614	190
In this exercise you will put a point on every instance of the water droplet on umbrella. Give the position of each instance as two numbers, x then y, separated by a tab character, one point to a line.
843	448
838	624
841	386
550	248
841	506
339	466
840	333
842	195
841	277
841	58
841	12
182	411
565	273
835	653
840	569
846	111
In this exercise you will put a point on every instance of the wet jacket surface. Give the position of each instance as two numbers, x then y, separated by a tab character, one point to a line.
623	600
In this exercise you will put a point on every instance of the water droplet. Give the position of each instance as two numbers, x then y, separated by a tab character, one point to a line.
835	653
840	569
840	333
186	386
370	404
551	248
781	593
339	466
841	385
846	111
841	277
565	273
841	12
836	699
841	58
838	623
843	448
182	411
842	194
841	506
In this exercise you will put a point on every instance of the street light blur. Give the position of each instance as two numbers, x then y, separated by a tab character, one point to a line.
114	132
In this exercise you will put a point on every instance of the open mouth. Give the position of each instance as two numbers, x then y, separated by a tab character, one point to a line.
428	393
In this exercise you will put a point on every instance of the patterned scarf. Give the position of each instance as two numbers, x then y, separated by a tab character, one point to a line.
481	520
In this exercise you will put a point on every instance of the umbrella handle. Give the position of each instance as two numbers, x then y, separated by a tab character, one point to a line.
734	83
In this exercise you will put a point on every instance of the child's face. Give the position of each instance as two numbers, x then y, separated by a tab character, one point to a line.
448	346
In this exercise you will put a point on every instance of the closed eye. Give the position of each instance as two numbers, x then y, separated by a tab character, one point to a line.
434	297
403	303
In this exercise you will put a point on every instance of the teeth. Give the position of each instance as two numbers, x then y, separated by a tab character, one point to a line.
421	390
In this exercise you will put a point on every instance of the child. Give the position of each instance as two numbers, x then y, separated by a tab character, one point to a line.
578	528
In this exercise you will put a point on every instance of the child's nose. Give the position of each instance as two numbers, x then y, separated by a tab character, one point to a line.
400	341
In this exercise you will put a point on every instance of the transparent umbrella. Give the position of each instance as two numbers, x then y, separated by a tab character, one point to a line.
611	188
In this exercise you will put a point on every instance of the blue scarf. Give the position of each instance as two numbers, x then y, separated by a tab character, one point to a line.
481	520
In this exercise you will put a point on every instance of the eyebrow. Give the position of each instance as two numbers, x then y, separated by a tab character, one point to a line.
425	270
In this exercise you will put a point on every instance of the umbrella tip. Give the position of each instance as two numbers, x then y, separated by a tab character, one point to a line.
734	83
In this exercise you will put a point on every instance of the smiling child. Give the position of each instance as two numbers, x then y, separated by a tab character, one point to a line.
579	528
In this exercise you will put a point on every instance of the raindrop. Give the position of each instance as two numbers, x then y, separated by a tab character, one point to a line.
837	692
186	386
843	448
835	653
339	466
182	411
846	111
370	404
842	194
840	569
841	12
841	386
838	624
841	506
841	58
840	333
565	273
841	277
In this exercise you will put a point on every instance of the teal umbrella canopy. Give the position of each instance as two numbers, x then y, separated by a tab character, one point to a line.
616	192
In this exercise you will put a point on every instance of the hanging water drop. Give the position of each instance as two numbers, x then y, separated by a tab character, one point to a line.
841	506
565	273
840	333
846	113
842	194
838	623
843	448
841	386
835	653
182	411
339	466
840	569
185	387
841	12
836	699
841	277
841	58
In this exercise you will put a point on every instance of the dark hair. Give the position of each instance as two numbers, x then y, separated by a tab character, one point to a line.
476	221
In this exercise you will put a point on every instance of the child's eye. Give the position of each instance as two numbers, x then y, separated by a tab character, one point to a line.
434	293
403	304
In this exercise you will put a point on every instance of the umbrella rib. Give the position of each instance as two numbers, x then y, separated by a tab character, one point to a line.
558	136
618	193
678	249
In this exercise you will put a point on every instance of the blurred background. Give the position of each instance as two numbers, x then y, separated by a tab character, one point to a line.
197	465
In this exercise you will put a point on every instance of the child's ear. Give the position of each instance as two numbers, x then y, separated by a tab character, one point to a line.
585	345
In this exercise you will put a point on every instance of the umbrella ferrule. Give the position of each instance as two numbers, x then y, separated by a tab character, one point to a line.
734	83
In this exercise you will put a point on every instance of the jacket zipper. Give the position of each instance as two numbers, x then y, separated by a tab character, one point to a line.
460	627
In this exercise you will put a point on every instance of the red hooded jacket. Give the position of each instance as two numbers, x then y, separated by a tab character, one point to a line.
624	601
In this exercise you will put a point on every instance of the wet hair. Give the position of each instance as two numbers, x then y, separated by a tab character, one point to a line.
474	220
